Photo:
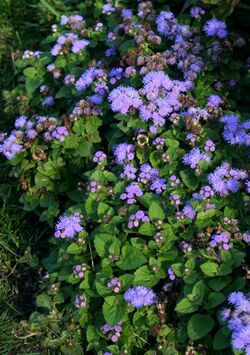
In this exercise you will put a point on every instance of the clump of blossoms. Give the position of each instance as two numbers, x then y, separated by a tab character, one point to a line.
68	226
136	219
126	117
139	296
237	319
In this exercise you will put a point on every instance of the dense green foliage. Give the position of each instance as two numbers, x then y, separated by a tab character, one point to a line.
55	177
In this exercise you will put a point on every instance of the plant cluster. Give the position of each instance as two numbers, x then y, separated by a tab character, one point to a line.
130	132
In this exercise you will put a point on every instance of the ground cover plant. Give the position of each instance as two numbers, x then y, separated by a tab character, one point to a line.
132	144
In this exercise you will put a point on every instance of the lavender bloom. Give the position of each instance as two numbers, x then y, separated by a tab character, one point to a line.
31	133
158	143
110	52
236	132
196	12
80	301
132	191
209	146
237	319
60	133
10	147
214	101
175	199
48	101
108	9
79	45
99	157
86	79
115	284
174	181
129	172
78	270
206	192
215	27
124	153
171	274
68	226
147	173
94	186
158	185
126	13
135	219
248	186
220	240
246	237
20	122
189	211
194	157
114	332
225	179
166	24
122	98
140	296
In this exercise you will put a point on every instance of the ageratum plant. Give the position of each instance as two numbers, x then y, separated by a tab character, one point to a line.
132	134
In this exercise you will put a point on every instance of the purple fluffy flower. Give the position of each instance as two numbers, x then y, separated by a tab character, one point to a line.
68	226
140	296
132	191
225	179
99	157
10	147
194	157
122	98
189	211
196	12
214	101
124	153
80	301
136	219
215	27
158	185
209	146
20	122
129	172
79	44
108	9
60	133
147	173
166	23
236	132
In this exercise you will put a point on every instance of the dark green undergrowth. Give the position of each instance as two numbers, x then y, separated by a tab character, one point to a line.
23	239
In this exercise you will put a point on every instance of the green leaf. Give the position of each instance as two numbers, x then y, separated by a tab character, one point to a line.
127	46
186	306
74	249
199	290
219	283
222	339
43	301
102	244
114	309
189	179
210	269
30	72
145	277
84	148
199	325
131	258
155	211
214	299
206	215
147	229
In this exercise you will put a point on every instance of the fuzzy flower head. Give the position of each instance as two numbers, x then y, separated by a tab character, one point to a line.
10	147
215	27
194	157
122	98
166	23
68	226
124	153
140	296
